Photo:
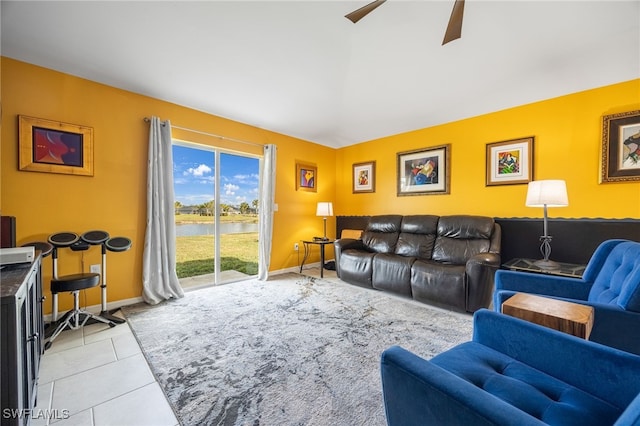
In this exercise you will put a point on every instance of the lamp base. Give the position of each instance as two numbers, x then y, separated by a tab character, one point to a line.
546	264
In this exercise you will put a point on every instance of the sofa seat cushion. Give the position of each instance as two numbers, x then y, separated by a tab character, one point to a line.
356	267
532	391
439	283
392	273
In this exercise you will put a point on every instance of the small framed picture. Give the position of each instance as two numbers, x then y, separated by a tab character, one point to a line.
620	159
510	162
424	171
364	177
306	177
55	147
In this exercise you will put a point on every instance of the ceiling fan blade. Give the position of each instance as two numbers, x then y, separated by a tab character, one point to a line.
357	15
454	29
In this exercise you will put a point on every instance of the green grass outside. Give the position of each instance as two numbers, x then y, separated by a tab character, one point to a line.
194	255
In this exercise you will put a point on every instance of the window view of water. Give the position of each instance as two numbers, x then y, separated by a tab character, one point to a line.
193	229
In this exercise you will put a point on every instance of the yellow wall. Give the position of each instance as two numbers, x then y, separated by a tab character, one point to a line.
567	134
568	140
114	199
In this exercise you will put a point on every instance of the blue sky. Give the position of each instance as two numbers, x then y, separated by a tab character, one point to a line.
194	177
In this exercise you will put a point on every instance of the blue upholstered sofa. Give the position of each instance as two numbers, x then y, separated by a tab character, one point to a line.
513	373
610	283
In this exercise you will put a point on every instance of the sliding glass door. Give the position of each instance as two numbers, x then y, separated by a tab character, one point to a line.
216	201
238	215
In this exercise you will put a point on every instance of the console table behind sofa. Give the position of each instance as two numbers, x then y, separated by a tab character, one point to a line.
574	240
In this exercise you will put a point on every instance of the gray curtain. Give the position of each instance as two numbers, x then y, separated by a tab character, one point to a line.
267	200
159	279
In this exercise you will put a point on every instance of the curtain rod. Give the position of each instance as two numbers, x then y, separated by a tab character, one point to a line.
148	120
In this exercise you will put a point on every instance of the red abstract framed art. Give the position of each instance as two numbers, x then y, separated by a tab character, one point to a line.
55	147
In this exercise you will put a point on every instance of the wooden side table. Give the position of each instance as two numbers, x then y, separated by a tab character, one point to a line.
571	318
307	250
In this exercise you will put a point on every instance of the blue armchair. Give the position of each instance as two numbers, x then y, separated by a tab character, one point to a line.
513	373
610	283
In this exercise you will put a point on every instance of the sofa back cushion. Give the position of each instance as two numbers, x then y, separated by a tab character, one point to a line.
417	236
461	237
618	281
382	233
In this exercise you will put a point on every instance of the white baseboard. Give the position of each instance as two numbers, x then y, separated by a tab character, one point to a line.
296	269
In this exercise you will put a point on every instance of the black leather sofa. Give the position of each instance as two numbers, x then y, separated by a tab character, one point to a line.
448	261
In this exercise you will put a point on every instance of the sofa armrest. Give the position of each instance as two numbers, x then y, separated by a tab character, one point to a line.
480	270
485	259
630	416
344	244
348	243
614	326
408	381
542	284
584	366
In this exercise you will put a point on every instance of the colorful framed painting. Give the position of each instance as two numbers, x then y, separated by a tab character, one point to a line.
424	171
364	177
510	162
306	177
620	160
55	147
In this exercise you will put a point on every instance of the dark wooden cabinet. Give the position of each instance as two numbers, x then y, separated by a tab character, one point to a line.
21	344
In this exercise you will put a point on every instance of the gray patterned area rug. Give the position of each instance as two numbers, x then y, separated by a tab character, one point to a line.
293	350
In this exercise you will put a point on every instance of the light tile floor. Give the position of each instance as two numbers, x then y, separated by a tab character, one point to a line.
97	376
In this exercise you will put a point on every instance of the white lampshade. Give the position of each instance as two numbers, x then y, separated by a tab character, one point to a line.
550	193
324	209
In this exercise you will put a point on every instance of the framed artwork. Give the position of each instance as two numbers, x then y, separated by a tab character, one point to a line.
424	171
620	147
364	177
55	147
306	177
510	162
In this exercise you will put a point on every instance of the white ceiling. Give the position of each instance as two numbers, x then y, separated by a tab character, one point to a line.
300	68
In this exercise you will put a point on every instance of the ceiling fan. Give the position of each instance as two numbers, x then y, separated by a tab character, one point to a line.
454	28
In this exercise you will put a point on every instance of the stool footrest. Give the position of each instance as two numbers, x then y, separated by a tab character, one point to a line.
73	320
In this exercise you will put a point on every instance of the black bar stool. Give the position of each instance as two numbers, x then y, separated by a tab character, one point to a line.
72	319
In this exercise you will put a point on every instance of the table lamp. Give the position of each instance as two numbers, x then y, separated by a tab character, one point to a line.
546	193
324	209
